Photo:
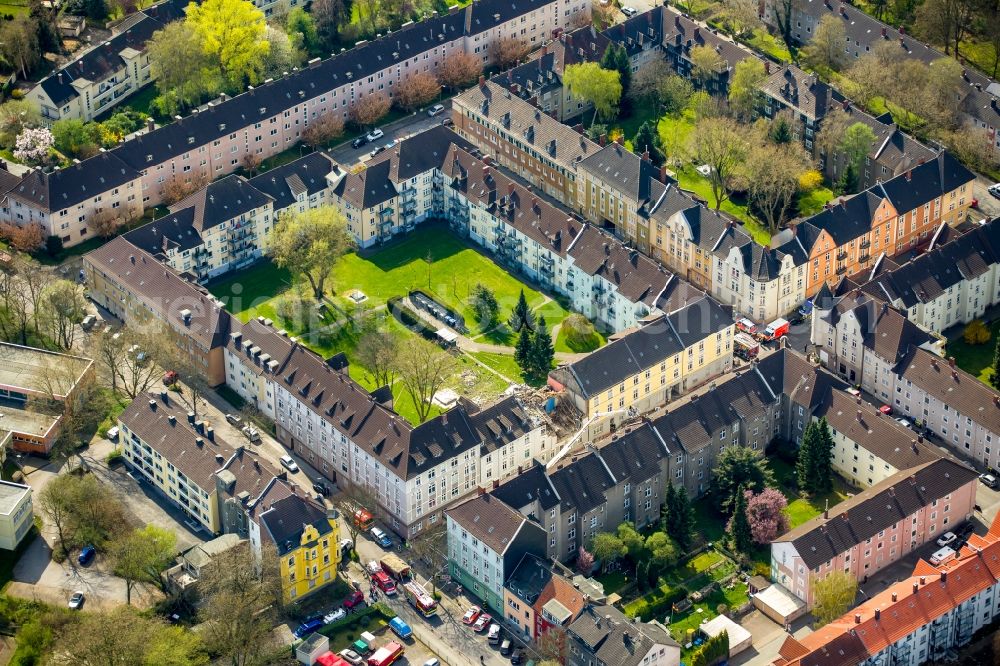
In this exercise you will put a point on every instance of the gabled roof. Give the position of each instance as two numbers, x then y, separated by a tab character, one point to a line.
623	170
527	487
681	32
62	188
612	638
221	201
489	520
304	176
803	92
284	519
173	231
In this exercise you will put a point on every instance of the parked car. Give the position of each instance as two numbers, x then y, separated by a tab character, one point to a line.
629	11
903	422
234	419
381	538
988	480
88	321
942	555
308	627
354	599
505	647
447	122
400	628
360	141
517	657
113	433
333	616
169	377
483	622
375	135
433	661
947	539
885	409
376	150
346	545
76	601
472	615
434	110
494	634
251	433
321	487
854	391
351	657
86	555
289	464
994	190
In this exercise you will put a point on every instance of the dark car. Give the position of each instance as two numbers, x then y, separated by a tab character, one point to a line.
86	555
360	141
321	487
505	647
517	657
308	627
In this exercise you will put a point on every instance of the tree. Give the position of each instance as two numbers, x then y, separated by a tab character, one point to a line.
124	359
648	139
855	145
459	69
995	375
633	541
616	58
377	351
593	84
423	370
721	144
607	548
584	561
301	29
826	48
742	16
783	12
662	550
350	499
833	595
234	35
521	316
240	590
943	88
26	238
581	336
552	646
781	129
974	147
329	15
509	51
604	14
813	467
185	73
706	63
282	54
369	109
522	351
417	90
141	555
744	88
56	500
32	146
19	44
766	515
16	115
431	546
945	22
82	509
126	636
739	525
678	519
772	174
484	305
323	130
976	333
75	138
739	467
542	353
647	83
310	243
65	307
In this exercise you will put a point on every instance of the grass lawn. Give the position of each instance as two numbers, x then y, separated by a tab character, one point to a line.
684	628
142	101
711	526
765	42
803	509
14	8
810	203
675	130
505	365
593	342
977	360
629	125
612	582
690	179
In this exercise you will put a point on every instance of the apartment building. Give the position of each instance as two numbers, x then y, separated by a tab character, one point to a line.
876	527
354	438
211	481
522	138
921	618
66	203
136	288
107	73
977	104
486	542
538	597
682	34
645	369
224	226
302	533
603	635
889	218
17	513
952	283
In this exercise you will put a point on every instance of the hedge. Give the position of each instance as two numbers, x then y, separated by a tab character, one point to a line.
357	618
712	651
656	603
409	318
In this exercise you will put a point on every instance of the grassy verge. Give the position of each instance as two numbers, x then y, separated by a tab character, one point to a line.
810	203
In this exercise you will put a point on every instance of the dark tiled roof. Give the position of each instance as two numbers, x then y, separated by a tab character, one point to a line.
615	639
530	486
952	386
174	231
62	188
623	170
222	200
801	91
306	175
582	483
636	277
284	520
530	578
488	519
880	507
681	31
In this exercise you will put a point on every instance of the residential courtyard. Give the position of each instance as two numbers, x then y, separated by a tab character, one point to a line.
433	260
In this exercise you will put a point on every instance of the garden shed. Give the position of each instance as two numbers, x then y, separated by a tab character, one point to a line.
779	604
739	638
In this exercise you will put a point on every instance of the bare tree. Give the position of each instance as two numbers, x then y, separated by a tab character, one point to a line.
251	162
369	109
423	369
179	187
353	497
104	224
459	69
720	144
378	350
124	360
431	547
510	50
25	238
64	308
417	90
323	130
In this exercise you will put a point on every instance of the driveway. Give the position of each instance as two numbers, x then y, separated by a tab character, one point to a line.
394	131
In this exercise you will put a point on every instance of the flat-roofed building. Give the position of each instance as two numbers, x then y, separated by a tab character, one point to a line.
16	513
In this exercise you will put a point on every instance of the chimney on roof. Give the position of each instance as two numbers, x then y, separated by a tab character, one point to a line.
909	175
951	361
486	171
767	66
604	139
645	154
913	445
480	491
697	32
620	140
902	30
915	587
150	125
846	104
894	596
191	417
878	614
482	80
857	618
923	580
663	174
152	405
944	576
920	438
934	363
496	483
859	416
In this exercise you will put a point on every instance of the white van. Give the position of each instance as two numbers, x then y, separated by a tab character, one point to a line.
942	555
494	634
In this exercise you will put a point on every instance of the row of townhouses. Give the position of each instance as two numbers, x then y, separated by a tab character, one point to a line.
924	617
270	118
977	104
227	489
873	345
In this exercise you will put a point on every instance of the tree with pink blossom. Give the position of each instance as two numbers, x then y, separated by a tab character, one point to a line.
584	561
33	144
766	514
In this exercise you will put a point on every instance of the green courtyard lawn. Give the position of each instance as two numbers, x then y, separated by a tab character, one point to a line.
685	626
612	581
977	360
690	179
803	509
595	341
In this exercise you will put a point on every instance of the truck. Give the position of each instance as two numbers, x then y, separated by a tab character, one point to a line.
776	329
394	565
419	598
386	654
384	583
746	347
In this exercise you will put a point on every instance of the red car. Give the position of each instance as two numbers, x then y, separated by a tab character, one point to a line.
472	615
483	622
354	599
169	377
885	409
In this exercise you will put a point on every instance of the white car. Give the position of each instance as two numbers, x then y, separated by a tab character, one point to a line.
629	11
994	190
946	539
352	657
903	422
338	614
434	110
289	464
374	135
113	433
76	601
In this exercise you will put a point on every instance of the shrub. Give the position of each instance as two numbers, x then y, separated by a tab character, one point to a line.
580	333
656	603
976	333
53	246
114	458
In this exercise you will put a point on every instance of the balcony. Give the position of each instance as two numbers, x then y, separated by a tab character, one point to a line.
841	270
841	255
865	256
865	244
